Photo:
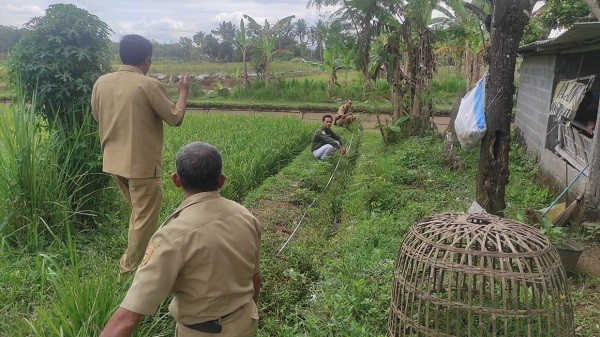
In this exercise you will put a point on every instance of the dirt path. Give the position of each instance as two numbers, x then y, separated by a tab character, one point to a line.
368	121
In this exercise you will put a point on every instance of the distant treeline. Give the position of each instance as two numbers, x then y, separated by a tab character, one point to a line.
296	40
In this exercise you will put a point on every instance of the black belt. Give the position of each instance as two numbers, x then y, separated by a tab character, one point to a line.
210	326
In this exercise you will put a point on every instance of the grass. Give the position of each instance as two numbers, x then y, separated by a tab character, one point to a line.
332	279
279	67
253	147
71	286
296	86
338	267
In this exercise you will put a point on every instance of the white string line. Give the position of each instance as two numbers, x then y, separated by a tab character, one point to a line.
314	200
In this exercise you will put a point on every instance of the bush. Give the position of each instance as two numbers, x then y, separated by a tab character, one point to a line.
59	58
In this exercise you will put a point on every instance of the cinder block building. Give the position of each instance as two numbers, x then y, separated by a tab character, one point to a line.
557	103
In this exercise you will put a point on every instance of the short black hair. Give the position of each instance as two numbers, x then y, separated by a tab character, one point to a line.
134	49
199	166
323	118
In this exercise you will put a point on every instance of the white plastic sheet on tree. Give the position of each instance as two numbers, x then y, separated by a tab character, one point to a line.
470	121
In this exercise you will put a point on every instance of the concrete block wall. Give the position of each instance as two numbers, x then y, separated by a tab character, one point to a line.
560	174
533	101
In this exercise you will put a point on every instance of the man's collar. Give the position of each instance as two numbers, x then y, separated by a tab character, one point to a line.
126	67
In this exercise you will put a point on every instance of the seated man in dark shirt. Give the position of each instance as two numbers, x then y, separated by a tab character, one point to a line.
325	141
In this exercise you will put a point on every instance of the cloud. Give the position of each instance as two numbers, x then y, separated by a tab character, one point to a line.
166	20
25	10
163	29
234	17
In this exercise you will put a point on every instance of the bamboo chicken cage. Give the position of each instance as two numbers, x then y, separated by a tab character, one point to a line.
460	274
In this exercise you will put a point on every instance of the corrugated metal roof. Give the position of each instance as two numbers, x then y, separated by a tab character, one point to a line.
580	35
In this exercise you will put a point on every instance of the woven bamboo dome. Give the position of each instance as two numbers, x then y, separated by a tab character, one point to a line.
463	274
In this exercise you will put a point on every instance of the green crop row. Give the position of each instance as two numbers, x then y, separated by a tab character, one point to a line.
254	147
68	286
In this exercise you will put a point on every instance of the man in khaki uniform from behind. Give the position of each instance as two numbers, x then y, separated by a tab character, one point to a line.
130	108
206	254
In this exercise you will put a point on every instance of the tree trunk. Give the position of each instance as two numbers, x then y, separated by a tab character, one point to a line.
508	22
421	77
245	74
395	75
593	6
365	48
397	93
590	210
267	72
468	65
332	81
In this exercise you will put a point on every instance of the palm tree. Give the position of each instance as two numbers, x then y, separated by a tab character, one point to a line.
316	36
301	31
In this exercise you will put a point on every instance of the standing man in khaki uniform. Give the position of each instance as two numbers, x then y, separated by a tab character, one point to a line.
344	116
206	254
130	108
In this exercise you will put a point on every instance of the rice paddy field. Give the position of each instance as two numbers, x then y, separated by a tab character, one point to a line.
58	264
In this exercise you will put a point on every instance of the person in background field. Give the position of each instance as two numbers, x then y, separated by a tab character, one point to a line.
130	108
206	254
344	116
325	141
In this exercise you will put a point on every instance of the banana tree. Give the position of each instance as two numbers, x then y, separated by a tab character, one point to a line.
267	39
363	15
243	42
333	60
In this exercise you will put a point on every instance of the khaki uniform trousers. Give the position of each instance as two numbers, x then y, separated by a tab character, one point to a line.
345	120
242	323
144	195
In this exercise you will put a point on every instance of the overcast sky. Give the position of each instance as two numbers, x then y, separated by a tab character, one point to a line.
166	20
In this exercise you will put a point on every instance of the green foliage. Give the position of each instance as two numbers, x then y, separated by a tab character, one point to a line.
47	185
563	13
555	234
253	147
333	279
288	278
396	131
294	90
59	58
554	14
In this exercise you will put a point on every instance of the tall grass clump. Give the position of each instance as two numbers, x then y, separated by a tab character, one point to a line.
76	298
446	90
43	187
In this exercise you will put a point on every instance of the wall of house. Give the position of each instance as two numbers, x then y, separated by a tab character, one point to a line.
533	102
534	129
571	66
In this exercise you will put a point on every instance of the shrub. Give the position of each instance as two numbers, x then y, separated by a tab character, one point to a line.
59	58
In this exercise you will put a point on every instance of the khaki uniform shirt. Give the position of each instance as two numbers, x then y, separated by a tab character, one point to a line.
130	109
205	254
343	110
